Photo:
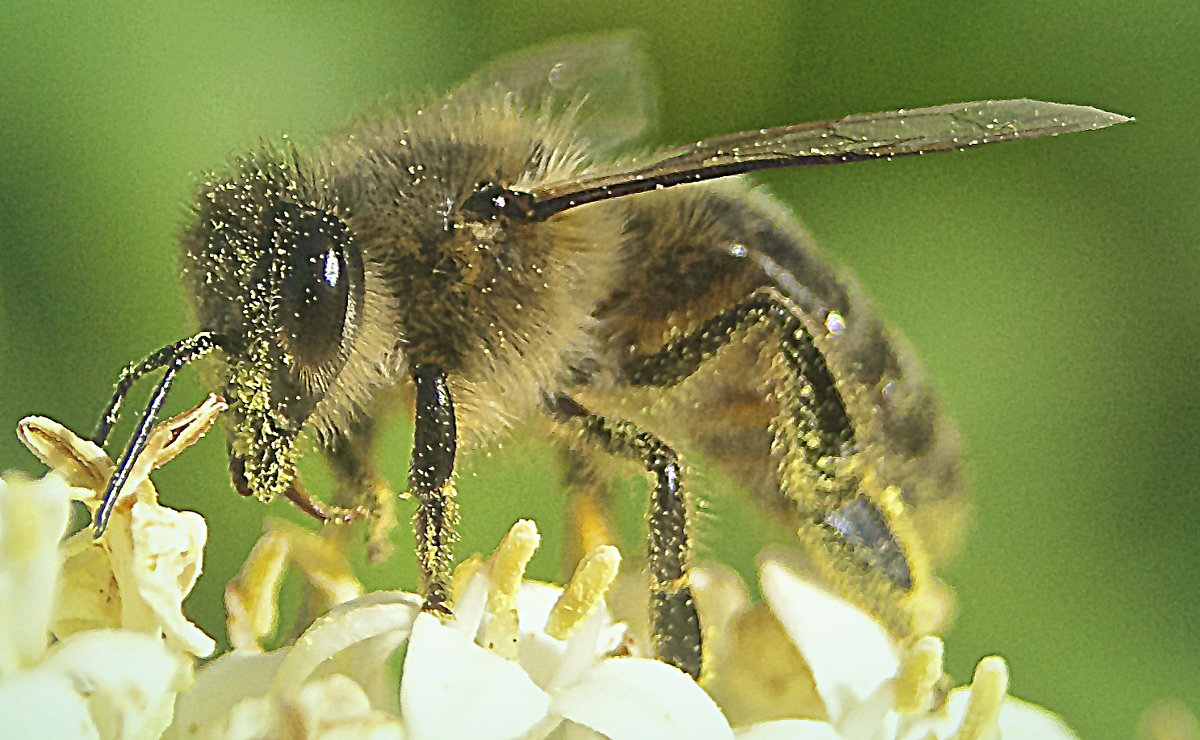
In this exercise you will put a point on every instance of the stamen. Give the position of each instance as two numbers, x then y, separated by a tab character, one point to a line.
919	675
988	690
251	598
462	575
507	571
588	584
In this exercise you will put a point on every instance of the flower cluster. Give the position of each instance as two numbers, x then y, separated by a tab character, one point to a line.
94	642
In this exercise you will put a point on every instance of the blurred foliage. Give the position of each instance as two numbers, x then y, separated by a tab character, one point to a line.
1050	287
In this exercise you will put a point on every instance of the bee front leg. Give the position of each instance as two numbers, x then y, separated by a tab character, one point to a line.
674	622
430	481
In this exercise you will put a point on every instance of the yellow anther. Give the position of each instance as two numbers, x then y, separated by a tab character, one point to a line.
588	584
508	563
989	687
919	675
507	571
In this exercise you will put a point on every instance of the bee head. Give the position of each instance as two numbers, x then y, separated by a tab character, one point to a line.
273	269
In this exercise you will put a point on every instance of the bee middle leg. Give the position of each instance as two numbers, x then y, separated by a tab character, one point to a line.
674	622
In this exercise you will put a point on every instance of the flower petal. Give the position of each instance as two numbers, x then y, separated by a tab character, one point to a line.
44	704
169	555
553	663
129	678
757	674
1020	719
634	698
336	707
849	653
33	517
355	639
875	718
451	687
219	686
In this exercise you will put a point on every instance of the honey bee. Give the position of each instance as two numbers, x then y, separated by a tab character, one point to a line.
494	259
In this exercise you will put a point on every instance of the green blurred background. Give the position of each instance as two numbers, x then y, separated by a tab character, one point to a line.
1050	287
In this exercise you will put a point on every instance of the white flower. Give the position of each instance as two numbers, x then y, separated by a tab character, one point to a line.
113	604
533	661
99	683
517	660
867	687
332	682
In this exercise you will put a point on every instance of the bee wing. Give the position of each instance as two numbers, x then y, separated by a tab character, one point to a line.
849	139
603	81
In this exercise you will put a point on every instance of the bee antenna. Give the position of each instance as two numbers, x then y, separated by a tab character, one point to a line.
172	357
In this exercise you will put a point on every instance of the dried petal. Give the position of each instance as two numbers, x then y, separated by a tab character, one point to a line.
89	597
137	575
79	461
176	434
168	548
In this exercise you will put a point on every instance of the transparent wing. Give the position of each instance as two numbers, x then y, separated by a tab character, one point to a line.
604	77
850	139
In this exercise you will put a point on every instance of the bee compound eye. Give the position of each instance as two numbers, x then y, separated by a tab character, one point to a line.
320	290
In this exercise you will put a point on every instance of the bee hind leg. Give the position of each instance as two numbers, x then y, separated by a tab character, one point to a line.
674	621
847	515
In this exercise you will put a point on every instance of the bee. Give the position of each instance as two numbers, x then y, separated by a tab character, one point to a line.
494	259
